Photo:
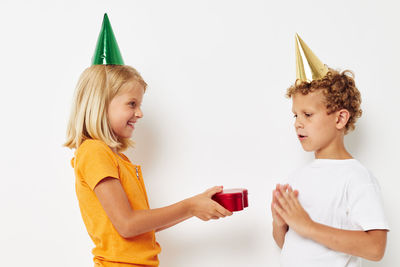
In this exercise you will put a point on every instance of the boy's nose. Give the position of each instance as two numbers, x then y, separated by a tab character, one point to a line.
298	124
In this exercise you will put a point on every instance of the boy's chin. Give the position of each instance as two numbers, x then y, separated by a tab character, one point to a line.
307	148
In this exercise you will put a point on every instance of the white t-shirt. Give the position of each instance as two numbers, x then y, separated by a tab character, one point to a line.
338	193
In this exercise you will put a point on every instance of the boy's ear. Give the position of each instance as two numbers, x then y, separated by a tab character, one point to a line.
342	117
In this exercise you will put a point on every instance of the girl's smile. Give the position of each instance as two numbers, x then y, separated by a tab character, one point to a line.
124	109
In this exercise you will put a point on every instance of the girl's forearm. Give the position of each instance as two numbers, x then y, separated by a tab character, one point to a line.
142	221
173	223
369	245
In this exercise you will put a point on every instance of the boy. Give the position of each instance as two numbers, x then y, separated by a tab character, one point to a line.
335	215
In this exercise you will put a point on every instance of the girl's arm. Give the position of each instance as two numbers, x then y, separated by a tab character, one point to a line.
366	244
130	223
172	224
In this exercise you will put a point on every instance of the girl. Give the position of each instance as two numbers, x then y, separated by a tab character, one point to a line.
110	189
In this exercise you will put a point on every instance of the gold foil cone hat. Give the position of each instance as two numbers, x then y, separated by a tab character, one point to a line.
318	69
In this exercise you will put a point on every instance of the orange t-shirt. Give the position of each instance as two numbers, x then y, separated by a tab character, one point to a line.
93	161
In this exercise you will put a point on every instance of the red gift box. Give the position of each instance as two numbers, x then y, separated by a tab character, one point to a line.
232	199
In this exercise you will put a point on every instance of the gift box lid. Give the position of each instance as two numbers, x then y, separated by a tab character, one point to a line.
229	193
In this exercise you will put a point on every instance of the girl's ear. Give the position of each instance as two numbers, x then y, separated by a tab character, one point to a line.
342	117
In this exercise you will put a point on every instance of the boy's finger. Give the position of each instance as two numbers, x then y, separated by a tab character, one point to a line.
295	202
273	196
288	199
278	187
282	201
280	211
285	187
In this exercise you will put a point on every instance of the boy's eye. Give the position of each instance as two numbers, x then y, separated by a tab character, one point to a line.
307	114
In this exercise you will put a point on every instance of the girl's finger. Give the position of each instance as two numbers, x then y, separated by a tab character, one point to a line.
221	210
213	190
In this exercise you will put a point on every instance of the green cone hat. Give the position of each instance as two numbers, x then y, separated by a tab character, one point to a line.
107	50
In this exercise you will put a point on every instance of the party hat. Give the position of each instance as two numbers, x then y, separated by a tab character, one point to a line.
107	50
318	69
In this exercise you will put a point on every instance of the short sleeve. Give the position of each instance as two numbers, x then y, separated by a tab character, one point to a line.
366	206
95	161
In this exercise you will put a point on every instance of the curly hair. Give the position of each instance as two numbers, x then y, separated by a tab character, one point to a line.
339	90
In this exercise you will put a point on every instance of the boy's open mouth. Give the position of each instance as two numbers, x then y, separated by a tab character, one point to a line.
301	137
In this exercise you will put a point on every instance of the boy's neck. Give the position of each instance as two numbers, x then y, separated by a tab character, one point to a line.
343	155
336	150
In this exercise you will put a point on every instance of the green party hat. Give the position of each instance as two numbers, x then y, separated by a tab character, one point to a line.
107	50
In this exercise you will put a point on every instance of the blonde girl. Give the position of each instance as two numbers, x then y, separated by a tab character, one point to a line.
110	189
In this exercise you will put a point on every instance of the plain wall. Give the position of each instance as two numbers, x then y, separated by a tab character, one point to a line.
214	114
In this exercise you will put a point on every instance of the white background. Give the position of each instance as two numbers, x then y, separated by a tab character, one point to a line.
215	114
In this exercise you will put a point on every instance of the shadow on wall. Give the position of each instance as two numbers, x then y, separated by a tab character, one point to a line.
354	140
232	245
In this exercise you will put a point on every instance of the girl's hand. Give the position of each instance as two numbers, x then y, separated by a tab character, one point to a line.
204	208
291	211
277	219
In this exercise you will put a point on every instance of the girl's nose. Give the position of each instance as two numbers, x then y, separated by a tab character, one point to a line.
139	113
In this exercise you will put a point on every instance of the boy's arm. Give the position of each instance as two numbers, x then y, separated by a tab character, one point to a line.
279	233
369	245
366	244
279	226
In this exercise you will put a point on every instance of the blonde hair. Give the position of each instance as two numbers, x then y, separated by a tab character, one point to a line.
96	88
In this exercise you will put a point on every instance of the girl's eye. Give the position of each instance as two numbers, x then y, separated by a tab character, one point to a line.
132	104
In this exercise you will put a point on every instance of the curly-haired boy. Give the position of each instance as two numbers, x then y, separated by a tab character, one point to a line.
335	214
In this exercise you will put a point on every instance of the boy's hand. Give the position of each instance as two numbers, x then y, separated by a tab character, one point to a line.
203	207
277	219
291	211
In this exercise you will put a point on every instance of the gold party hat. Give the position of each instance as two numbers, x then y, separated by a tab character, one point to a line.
318	69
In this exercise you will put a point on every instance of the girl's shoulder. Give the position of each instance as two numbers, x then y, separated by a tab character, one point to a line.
94	148
93	144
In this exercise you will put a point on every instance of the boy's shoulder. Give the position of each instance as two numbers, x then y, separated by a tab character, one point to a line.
360	175
351	169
